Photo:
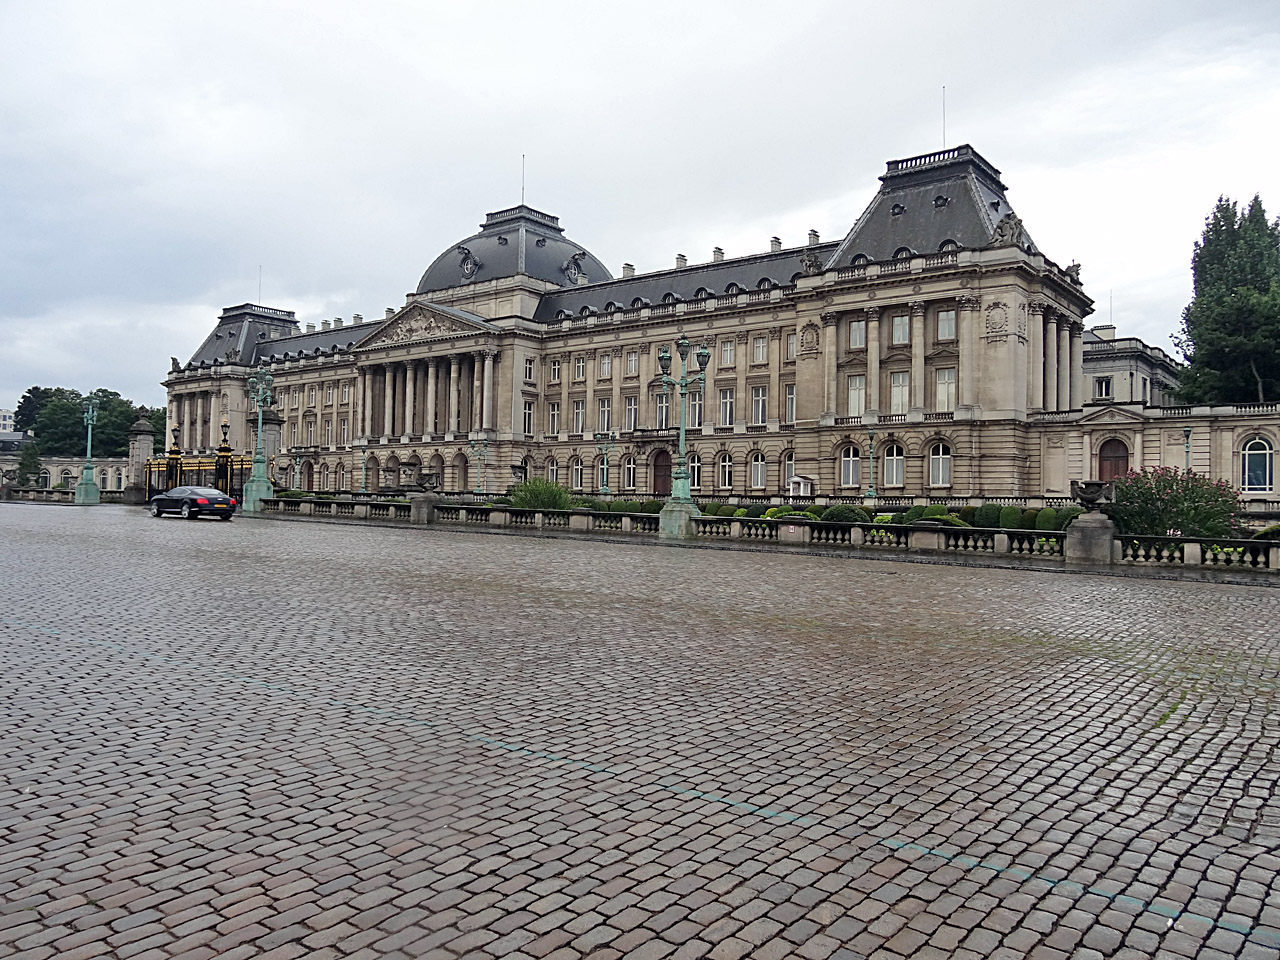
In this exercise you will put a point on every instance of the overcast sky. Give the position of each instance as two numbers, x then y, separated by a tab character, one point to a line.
154	155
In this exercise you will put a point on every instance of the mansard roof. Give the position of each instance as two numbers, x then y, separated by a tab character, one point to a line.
249	333
927	202
684	283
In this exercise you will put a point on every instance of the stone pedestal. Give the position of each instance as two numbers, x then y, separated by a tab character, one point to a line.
1089	539
87	493
422	508
675	522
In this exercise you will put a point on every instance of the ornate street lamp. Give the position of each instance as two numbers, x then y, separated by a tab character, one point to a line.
481	450
258	389
296	453
605	441
87	491
871	462
674	521
1186	447
362	444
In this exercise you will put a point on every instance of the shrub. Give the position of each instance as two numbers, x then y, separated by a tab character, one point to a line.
815	512
1066	515
883	518
539	494
937	510
625	506
1268	533
987	515
1047	519
1155	501
950	519
967	514
914	514
898	518
1010	518
756	511
1029	520
775	512
712	509
589	503
845	513
651	506
740	512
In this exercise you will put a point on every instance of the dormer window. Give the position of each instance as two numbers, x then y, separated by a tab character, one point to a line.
669	298
902	253
732	290
940	201
765	284
562	314
897	210
639	302
702	294
861	260
948	246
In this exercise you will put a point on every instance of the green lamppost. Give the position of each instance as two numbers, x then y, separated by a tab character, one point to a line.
87	492
678	512
605	442
258	388
481	450
362	444
871	462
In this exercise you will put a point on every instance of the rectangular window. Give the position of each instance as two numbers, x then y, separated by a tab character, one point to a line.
663	408
789	403
579	368
554	372
342	433
553	417
946	324
901	328
944	400
857	395
1102	388
328	433
791	346
295	398
631	412
528	369
759	405
760	350
579	416
528	418
726	406
695	409
604	413
858	335
899	392
311	396
1146	389
726	353
633	362
328	393
606	366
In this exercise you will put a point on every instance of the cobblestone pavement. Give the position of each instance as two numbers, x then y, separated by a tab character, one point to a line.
304	740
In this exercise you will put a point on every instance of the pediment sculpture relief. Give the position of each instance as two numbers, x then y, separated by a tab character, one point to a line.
419	326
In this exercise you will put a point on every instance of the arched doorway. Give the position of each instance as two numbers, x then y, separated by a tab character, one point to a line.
460	480
308	476
372	474
661	474
1113	459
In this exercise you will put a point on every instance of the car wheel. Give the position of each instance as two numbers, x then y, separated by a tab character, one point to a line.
225	516
155	509
187	512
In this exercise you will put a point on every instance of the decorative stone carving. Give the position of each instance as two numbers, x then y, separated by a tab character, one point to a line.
1022	322
997	321
917	308
233	355
1056	442
969	302
1038	306
809	337
775	333
418	326
572	268
1008	232
1073	273
829	319
470	263
811	264
174	365
873	313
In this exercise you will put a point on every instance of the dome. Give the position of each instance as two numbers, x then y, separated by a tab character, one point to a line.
520	240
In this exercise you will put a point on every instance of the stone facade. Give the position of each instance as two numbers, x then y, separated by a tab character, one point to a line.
935	352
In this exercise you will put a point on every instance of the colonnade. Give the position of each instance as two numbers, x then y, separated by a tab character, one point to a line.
1057	360
428	397
196	413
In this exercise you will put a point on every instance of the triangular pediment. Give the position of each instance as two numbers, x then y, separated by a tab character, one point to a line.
1112	415
418	322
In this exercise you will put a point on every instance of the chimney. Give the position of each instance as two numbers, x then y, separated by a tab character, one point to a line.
324	324
356	318
311	328
337	323
582	279
681	261
275	333
813	238
1104	331
775	244
717	254
391	312
628	271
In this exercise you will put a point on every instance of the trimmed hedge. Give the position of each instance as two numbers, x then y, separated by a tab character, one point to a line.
845	513
1066	515
1047	519
755	511
987	515
937	510
914	514
967	514
651	506
1029	519
1011	518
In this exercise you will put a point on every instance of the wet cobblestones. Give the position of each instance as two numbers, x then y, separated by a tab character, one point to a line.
295	740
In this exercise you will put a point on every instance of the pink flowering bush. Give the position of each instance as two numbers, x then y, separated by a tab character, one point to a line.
1166	501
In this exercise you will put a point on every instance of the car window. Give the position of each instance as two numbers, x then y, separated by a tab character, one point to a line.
207	492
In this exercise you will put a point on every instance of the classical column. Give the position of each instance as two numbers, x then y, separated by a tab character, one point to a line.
917	355
589	414
184	416
775	372
486	418
566	378
454	361
873	360
199	441
830	336
968	349
388	399
433	386
1035	398
363	396
410	388
1049	377
1064	364
1077	366
477	388
617	414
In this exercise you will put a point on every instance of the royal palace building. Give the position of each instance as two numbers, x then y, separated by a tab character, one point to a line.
935	351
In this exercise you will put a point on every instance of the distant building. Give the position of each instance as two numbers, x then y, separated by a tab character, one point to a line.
6	421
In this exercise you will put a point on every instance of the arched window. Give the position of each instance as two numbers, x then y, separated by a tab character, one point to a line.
669	298
759	472
948	246
765	284
732	289
553	470
788	466
702	293
575	473
103	479
695	471
724	471
324	477
902	253
44	479
602	473
850	467
639	302
341	483
861	260
940	465
629	473
894	466
1257	465
66	478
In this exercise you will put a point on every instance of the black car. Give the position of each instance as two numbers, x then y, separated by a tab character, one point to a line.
192	502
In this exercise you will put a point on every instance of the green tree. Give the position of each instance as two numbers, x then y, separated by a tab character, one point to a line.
60	426
34	401
538	494
1231	329
28	465
1156	501
157	418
